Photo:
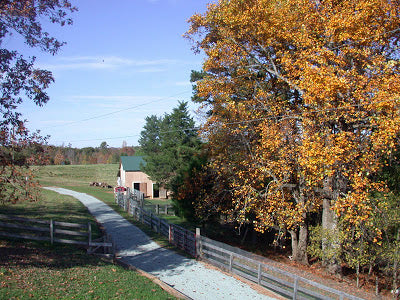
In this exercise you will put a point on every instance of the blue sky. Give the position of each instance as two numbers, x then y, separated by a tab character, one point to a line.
124	60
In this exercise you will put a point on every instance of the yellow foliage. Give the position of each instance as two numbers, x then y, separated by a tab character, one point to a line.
305	96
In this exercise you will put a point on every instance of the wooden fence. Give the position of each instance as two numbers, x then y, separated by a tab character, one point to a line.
54	232
246	265
136	198
234	260
160	209
177	235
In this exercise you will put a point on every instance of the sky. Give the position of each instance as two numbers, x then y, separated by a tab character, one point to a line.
124	60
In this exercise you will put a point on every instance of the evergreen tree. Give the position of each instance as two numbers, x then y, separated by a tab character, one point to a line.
168	144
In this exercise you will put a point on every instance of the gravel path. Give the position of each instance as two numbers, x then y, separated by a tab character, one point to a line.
188	276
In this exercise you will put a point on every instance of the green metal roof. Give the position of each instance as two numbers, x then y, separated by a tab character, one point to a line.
132	163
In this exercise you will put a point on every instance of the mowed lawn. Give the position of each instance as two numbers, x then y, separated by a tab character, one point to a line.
77	175
38	270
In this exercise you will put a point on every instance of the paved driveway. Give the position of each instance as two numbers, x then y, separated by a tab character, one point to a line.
134	247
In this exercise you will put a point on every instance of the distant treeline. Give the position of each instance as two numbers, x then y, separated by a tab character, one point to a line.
67	155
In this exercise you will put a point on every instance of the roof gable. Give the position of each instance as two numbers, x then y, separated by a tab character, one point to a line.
132	163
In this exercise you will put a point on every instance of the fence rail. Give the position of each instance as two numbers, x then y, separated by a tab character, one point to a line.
54	231
160	209
176	235
244	264
234	260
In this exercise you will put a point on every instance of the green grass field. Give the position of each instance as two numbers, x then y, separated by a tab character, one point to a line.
77	178
83	175
77	175
39	270
30	270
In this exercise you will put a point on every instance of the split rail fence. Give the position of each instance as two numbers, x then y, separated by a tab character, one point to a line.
54	232
234	260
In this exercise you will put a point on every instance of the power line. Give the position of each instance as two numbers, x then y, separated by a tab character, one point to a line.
231	123
117	111
280	117
297	115
135	135
165	98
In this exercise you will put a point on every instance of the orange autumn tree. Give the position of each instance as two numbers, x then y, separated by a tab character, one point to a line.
303	101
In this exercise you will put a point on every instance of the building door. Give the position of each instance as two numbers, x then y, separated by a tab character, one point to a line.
143	188
156	191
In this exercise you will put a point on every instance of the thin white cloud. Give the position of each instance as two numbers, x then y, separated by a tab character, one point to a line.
55	122
114	97
108	62
113	100
115	60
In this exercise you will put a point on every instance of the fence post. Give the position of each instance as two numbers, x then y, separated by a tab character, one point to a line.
166	209
184	240
197	242
157	209
89	234
230	262
296	283
159	225
51	231
259	274
169	233
151	220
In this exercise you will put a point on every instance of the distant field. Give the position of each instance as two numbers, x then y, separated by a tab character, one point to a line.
78	178
82	176
77	175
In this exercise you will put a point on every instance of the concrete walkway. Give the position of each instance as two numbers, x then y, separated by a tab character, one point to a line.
134	247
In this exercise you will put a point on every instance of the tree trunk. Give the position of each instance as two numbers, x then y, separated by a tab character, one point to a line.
295	242
299	244
395	267
300	236
329	224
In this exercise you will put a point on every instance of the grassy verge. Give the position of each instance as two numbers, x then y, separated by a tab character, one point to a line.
54	206
39	270
157	201
32	270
